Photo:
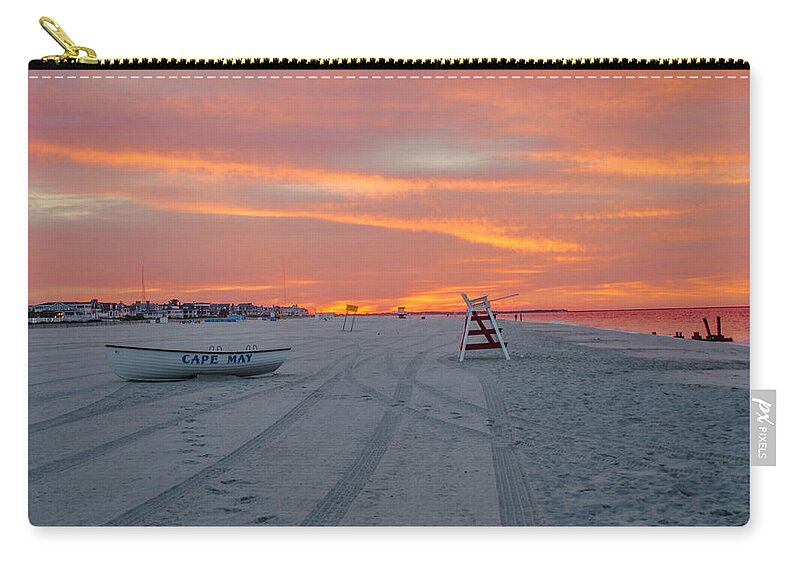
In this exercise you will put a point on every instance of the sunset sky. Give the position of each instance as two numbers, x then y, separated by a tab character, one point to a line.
382	191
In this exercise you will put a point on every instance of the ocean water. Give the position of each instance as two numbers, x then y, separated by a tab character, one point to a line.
735	320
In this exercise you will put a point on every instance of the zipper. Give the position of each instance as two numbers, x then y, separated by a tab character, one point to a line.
72	52
78	57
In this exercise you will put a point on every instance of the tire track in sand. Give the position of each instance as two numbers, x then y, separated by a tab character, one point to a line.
113	401
513	492
330	510
64	379
595	447
129	395
139	514
59	465
444	425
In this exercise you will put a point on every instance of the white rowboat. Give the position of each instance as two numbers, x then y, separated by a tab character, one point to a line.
137	363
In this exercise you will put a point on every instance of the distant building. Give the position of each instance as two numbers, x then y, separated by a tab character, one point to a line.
286	312
250	310
293	311
84	311
221	309
145	310
110	311
196	310
61	311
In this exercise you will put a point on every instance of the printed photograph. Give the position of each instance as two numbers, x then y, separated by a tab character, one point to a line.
388	297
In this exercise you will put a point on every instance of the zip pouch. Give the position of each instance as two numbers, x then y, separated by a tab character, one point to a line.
377	292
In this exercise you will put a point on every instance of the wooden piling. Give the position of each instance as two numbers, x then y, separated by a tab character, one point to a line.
708	329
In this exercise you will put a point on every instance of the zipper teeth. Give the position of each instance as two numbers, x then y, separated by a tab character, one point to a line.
442	64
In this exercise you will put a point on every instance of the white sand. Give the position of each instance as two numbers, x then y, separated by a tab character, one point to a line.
582	427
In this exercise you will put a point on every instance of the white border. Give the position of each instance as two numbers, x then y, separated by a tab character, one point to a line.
761	33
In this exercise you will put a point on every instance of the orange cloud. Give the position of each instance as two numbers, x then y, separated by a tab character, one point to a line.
595	259
222	287
672	292
475	231
343	182
439	299
340	306
731	168
625	214
444	298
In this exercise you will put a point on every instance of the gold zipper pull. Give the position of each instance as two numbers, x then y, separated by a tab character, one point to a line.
72	52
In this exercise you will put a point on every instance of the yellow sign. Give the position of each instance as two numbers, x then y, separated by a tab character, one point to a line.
352	308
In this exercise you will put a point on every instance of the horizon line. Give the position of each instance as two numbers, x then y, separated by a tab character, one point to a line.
431	310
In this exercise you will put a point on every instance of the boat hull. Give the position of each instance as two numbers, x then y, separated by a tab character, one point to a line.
155	364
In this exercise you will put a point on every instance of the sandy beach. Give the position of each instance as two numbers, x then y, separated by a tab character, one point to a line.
383	426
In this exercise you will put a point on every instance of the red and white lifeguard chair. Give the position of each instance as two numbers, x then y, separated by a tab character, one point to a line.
478	311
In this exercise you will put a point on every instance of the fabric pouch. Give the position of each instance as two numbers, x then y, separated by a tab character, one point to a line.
444	292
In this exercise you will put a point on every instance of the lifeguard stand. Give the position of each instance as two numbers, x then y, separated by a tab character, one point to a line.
478	311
